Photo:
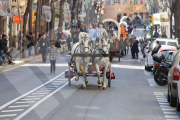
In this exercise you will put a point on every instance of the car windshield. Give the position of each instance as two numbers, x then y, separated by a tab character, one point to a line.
162	42
164	53
172	44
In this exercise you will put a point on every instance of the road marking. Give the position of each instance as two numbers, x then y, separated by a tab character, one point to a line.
16	99
35	96
8	115
152	82
39	93
25	102
42	100
18	106
168	111
31	99
17	110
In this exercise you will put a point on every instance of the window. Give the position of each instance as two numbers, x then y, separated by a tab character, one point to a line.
130	2
111	2
117	1
135	1
172	44
135	14
125	2
124	14
118	17
141	14
141	1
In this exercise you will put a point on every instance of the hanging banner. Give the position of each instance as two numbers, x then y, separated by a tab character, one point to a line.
46	11
5	8
156	18
164	18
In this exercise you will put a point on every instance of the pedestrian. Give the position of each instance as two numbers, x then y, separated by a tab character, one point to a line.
81	27
31	44
53	56
92	34
135	48
125	45
43	47
115	31
131	43
6	52
62	43
100	30
135	27
164	35
121	45
1	51
68	41
156	49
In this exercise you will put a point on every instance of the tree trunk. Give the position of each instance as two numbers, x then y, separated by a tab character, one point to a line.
73	10
36	25
10	33
171	24
61	16
28	8
1	25
177	19
52	21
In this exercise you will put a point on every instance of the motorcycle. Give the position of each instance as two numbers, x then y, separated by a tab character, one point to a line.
161	74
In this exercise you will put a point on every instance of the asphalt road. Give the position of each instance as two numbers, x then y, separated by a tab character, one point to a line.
29	92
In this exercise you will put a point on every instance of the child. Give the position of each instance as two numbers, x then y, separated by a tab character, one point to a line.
68	41
53	56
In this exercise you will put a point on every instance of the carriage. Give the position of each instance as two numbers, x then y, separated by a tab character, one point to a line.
91	70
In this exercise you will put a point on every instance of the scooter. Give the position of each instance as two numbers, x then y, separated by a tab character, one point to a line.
161	74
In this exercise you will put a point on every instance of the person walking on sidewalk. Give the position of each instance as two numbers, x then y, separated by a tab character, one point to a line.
68	41
135	48
1	50
53	56
43	47
62	43
31	44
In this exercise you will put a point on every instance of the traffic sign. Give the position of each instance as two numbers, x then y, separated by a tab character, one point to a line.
17	20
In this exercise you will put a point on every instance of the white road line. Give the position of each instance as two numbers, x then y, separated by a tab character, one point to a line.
25	102
164	103
47	89
152	82
39	93
44	91
35	96
169	113
17	110
14	100
18	106
42	100
168	109
8	115
171	116
31	99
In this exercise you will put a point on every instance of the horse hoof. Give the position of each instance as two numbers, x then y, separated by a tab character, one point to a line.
104	88
77	86
86	82
99	86
84	88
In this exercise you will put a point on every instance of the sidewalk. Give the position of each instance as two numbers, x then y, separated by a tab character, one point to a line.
19	62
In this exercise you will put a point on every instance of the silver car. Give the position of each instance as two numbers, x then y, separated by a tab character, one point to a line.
173	78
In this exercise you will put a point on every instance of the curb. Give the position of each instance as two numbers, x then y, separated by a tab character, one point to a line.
20	62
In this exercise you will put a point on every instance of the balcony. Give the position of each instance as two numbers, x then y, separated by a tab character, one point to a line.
21	2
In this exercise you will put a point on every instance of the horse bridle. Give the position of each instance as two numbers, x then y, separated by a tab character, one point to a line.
83	44
104	45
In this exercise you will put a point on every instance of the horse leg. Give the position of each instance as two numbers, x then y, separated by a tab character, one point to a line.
85	77
98	74
104	77
76	72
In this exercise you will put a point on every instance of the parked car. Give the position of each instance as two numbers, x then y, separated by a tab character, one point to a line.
163	51
173	78
164	42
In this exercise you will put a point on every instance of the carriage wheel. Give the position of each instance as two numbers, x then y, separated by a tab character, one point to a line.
69	75
110	72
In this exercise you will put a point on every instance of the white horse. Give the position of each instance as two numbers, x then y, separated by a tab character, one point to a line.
82	48
103	49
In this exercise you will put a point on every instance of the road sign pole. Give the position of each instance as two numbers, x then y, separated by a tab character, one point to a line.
20	30
152	23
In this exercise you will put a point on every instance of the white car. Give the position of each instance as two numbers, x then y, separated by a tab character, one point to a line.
164	42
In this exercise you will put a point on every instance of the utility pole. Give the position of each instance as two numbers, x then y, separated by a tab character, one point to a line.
40	12
151	14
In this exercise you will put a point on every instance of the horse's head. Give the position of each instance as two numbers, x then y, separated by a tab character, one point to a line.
85	42
104	43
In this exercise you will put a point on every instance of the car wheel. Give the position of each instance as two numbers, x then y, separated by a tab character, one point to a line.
168	95
178	105
148	68
145	68
173	101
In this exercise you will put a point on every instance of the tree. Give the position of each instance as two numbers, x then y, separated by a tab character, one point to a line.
52	20
73	10
60	27
10	32
28	9
1	25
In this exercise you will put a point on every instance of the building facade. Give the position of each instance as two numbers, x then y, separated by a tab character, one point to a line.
116	9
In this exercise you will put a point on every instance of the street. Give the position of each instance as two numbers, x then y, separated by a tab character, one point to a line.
29	92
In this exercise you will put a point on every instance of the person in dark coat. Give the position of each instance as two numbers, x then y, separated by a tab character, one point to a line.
43	47
121	45
156	49
1	50
131	43
135	48
81	27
